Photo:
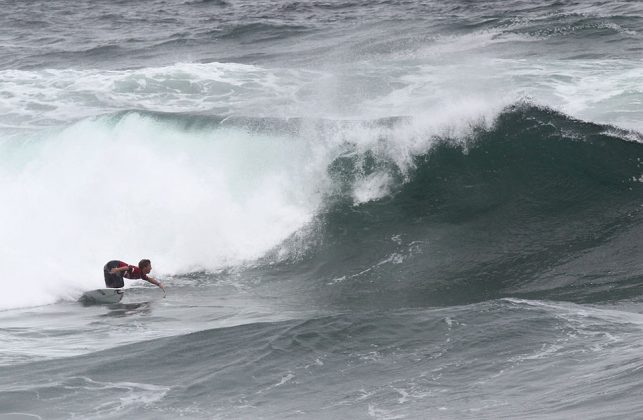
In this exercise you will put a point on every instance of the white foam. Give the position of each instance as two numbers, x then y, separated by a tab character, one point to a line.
50	96
74	199
372	187
451	77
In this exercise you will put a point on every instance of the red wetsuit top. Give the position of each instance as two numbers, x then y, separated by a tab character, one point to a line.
133	272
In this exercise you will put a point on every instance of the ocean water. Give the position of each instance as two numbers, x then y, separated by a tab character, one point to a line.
384	209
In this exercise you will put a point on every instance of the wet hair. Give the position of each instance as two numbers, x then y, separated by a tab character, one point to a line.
144	263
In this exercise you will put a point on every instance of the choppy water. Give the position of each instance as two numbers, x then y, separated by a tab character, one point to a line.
360	209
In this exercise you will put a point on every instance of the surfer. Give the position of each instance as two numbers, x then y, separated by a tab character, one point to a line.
115	271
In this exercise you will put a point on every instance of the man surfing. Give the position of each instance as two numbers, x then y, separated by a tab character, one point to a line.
114	272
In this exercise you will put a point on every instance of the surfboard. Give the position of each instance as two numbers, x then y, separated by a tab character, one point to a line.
100	296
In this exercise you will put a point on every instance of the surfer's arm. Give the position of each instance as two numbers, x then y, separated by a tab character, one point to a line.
119	269
155	282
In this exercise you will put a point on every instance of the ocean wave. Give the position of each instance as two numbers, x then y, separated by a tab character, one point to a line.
420	201
515	209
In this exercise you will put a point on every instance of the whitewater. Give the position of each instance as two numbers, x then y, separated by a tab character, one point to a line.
361	210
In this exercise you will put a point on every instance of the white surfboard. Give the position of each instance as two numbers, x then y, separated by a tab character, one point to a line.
99	296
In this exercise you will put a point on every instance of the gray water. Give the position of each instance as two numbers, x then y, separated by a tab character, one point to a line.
360	210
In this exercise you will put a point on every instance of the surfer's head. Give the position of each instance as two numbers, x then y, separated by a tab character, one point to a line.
145	266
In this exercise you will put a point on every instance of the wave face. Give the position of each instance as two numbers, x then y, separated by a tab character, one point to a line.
382	209
539	205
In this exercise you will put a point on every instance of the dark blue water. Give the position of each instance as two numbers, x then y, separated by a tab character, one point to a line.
360	210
